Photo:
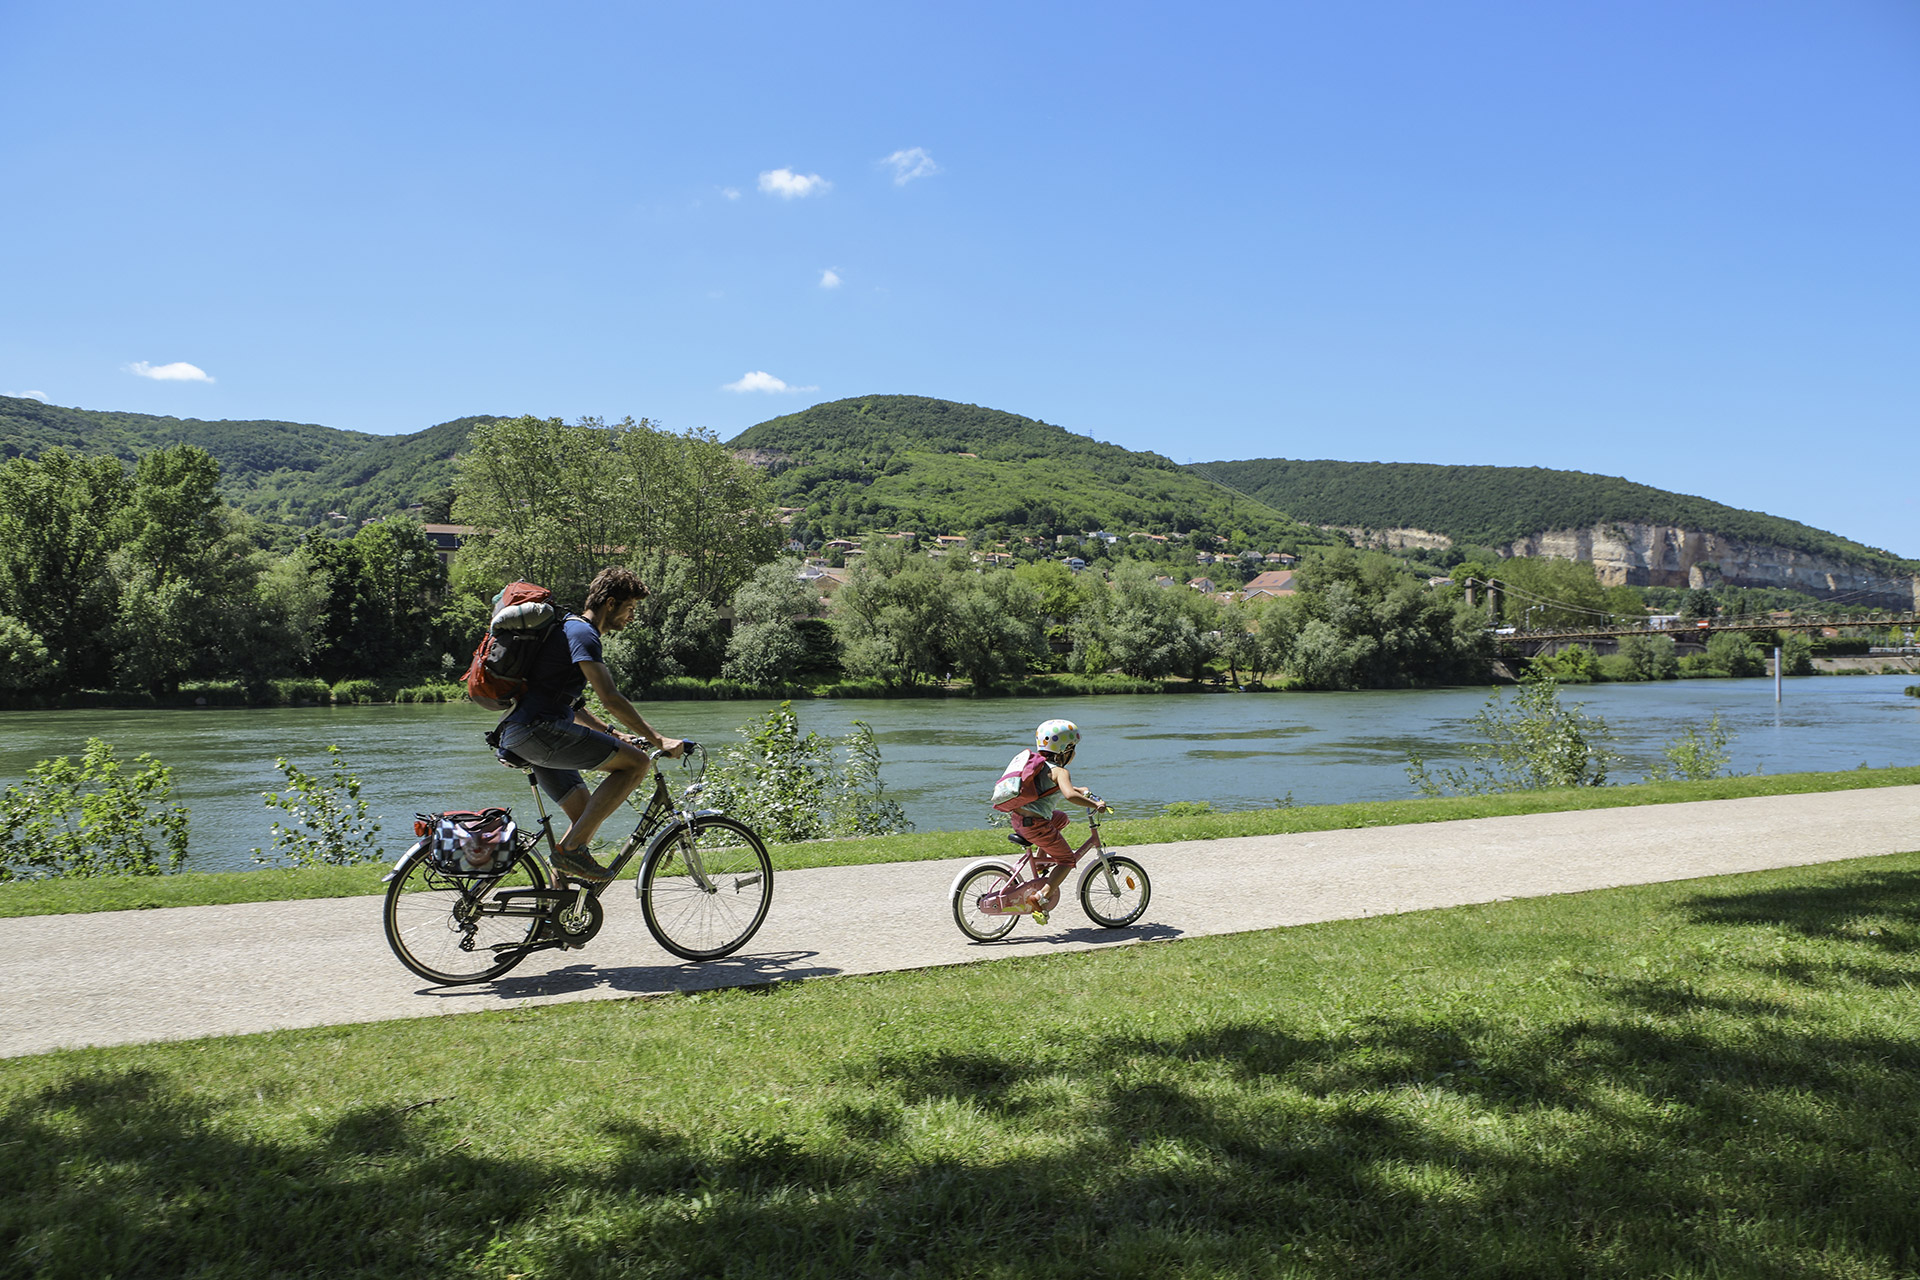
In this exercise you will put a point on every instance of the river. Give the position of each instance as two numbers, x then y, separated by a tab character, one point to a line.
941	756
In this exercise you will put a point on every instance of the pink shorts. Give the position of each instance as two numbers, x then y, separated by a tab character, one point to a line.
1048	844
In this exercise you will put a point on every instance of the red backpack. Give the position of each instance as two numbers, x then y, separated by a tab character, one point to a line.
523	617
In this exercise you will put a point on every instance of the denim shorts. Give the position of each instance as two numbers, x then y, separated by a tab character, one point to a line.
557	750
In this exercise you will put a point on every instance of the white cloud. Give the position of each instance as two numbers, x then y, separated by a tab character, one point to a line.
829	279
178	371
731	193
760	380
41	396
912	163
787	184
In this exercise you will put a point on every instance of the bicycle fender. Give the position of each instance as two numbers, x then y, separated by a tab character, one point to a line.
406	859
972	867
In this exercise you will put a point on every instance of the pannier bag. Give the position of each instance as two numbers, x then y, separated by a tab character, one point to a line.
464	843
523	617
1026	779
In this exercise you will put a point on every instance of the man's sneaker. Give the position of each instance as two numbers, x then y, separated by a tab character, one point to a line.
578	864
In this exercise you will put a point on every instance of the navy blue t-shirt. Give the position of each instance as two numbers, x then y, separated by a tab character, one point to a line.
556	679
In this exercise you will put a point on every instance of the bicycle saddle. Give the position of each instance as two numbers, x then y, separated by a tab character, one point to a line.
1019	839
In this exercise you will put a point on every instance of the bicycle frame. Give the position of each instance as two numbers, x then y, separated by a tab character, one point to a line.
1028	866
659	815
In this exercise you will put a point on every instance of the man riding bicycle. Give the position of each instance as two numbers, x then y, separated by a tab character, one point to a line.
551	729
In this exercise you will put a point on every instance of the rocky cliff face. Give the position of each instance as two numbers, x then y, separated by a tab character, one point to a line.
1659	555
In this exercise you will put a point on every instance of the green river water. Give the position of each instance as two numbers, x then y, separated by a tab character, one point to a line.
941	756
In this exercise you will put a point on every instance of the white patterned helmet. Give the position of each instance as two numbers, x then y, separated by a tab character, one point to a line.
1057	736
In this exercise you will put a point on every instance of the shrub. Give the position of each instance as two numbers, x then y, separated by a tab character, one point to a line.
1574	664
1186	808
1695	755
1533	745
91	819
334	828
350	692
787	786
289	693
213	693
436	692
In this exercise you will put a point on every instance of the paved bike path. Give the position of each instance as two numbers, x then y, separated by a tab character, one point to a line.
136	976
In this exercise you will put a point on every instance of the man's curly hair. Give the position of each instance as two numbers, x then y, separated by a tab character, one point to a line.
613	586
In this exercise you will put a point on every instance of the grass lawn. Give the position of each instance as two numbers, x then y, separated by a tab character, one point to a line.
122	893
1706	1078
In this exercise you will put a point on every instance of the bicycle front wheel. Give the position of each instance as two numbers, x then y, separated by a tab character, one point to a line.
705	888
451	929
1116	904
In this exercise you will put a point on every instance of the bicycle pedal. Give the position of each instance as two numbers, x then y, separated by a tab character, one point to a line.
1039	917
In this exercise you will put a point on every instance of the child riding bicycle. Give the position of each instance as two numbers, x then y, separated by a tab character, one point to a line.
1042	774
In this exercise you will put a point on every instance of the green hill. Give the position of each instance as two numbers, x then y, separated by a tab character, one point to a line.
934	466
290	473
1491	506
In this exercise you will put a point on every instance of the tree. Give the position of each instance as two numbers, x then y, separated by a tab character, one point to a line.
1363	622
184	577
1735	654
25	662
558	503
1146	630
766	643
60	520
1641	658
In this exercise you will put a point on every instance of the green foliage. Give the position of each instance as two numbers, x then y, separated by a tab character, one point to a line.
1186	808
1641	658
287	473
1497	505
767	643
1143	630
1696	755
558	503
905	619
1535	744
431	693
1359	621
898	462
331	828
1734	653
300	691
1796	654
91	819
25	661
787	785
1574	664
350	692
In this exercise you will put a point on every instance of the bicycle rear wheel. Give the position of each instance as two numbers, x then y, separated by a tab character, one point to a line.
1112	906
990	877
697	921
447	928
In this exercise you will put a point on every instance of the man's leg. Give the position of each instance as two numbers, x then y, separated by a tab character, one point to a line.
626	769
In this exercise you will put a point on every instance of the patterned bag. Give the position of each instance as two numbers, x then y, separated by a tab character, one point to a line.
464	843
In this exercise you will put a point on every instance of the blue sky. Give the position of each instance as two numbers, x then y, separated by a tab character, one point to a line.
1677	241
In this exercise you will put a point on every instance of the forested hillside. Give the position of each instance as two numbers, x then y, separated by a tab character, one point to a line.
1492	506
934	466
290	473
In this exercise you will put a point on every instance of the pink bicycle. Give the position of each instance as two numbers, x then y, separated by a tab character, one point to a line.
1114	889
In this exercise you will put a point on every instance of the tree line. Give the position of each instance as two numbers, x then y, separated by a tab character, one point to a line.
142	579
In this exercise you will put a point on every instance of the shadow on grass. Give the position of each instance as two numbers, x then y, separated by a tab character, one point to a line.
1651	1126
